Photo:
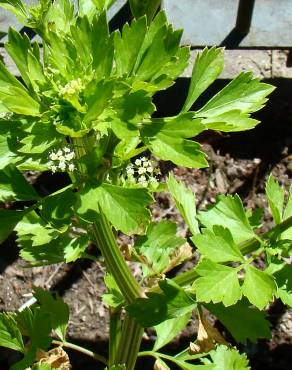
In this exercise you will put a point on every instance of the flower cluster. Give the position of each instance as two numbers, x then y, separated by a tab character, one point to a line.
73	87
62	160
142	172
6	115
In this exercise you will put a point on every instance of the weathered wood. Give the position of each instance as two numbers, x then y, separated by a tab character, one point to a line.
212	22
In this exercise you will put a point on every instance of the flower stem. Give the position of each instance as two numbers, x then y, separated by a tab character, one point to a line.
85	351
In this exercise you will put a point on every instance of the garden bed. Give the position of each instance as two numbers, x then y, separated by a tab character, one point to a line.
239	164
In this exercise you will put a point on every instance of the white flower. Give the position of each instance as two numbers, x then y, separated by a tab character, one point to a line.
59	152
54	168
67	150
153	180
141	170
130	171
62	166
142	180
61	158
53	156
69	156
71	167
138	162
149	169
146	164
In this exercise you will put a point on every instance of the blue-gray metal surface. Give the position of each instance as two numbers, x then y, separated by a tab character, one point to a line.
212	22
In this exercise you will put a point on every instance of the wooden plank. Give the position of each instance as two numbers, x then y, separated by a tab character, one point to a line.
212	22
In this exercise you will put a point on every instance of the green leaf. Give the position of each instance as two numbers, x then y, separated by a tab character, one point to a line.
228	212
275	195
183	125
244	93
38	329
14	6
6	156
217	245
56	308
231	121
61	15
158	246
128	44
75	248
125	208
113	298
17	100
39	139
13	186
17	47
284	284
164	46
169	329
258	287
61	249
287	214
228	358
102	47
218	283
148	8
98	100
57	208
10	335
185	201
7	80
33	230
178	150
172	303
42	367
208	66
243	321
9	220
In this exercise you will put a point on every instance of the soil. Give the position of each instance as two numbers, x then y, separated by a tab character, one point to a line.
239	163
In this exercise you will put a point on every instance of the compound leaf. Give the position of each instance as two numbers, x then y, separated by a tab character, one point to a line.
228	358
217	245
217	283
208	66
185	201
258	287
125	208
228	212
56	308
172	303
168	329
243	321
244	93
13	185
275	195
10	335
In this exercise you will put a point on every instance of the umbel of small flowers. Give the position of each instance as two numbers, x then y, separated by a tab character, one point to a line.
71	88
6	115
62	160
142	172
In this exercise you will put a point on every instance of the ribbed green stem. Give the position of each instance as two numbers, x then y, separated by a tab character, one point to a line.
114	259
129	343
124	345
115	335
